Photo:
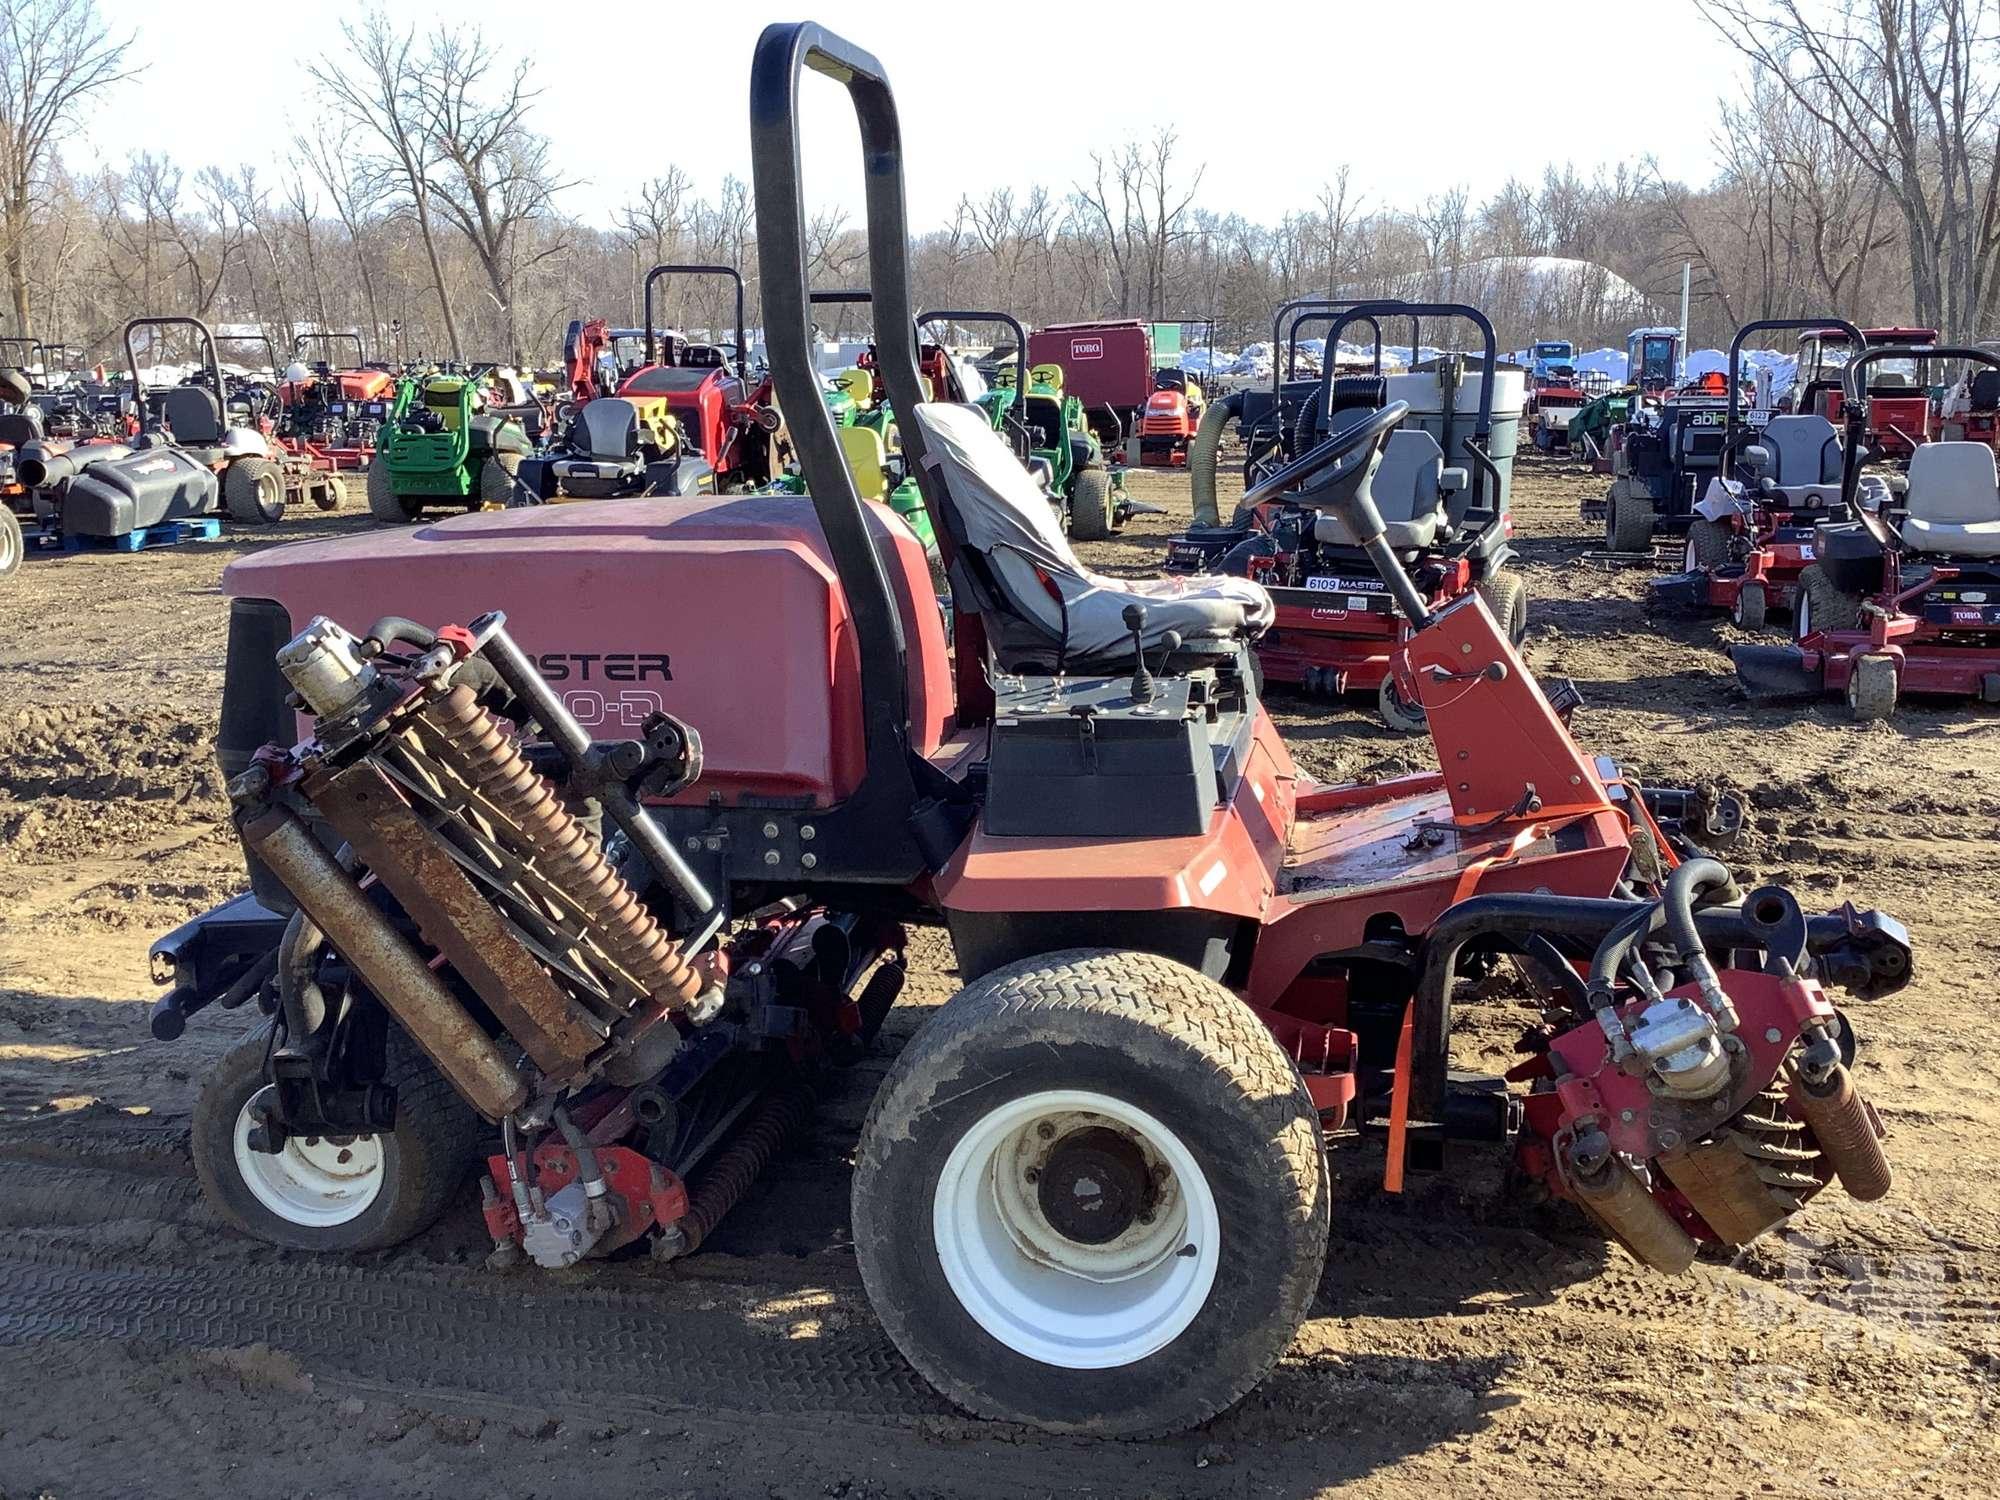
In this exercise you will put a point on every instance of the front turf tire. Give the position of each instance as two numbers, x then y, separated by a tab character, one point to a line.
1163	1058
1091	506
422	1162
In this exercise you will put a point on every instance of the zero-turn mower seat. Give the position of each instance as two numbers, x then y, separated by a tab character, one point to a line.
20	428
1007	523
1954	500
1408	492
1805	459
605	435
193	415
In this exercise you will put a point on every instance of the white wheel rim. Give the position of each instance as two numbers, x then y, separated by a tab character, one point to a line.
1802	615
1688	557
1054	1299
314	1181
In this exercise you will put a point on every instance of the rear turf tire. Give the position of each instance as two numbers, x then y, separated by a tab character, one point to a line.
1506	595
1090	515
384	504
1175	1067
496	479
1707	546
13	545
420	1165
1820	606
1628	519
253	491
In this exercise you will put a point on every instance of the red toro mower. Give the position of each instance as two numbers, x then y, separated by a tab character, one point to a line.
332	414
1778	479
1898	399
1338	627
1903	596
1092	1192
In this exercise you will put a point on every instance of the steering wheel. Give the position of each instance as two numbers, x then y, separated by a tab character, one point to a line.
1337	457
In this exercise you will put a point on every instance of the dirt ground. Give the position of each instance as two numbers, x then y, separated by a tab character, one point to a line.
1460	1342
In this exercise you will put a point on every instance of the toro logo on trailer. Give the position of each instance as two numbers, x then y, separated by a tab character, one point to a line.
1086	348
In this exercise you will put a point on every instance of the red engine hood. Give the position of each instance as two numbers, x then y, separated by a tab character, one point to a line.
725	612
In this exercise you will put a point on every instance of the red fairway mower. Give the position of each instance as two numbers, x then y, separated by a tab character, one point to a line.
331	414
1904	596
1750	538
1092	1191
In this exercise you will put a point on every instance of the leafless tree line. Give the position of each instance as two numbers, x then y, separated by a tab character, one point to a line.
1859	175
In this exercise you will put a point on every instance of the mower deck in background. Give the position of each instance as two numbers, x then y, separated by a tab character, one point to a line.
1751	534
1903	595
1338	626
1092	1193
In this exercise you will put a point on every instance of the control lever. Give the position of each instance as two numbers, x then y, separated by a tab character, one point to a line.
1134	617
1143	689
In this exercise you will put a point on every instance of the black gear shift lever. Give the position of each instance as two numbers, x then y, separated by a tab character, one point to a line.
1142	680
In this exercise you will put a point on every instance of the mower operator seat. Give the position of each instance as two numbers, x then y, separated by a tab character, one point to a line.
1805	452
1954	500
1009	525
1408	491
193	415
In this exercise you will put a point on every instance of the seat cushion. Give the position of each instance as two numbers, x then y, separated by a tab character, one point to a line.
1005	517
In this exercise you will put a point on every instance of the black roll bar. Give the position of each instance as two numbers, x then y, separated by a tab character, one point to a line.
1768	325
735	276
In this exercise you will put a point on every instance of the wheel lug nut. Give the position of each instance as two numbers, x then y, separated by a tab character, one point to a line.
1032	1175
345	1157
1046	1131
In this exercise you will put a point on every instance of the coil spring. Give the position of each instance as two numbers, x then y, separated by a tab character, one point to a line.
1782	1150
564	853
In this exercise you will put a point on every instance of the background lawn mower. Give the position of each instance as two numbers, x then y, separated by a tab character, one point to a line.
332	413
1904	595
1338	627
1267	421
725	416
187	464
1092	1192
1751	533
440	446
1900	416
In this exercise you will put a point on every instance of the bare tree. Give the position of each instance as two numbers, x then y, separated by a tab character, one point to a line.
1910	89
1134	202
493	175
54	55
355	197
379	93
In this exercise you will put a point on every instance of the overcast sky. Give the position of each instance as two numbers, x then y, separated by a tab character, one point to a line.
997	95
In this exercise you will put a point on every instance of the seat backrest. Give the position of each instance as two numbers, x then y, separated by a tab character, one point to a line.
1985	393
1804	450
1003	515
441	395
19	428
1953	484
608	429
193	415
866	456
1406	484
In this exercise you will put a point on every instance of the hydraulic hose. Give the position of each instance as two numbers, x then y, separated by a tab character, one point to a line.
1691	880
1202	456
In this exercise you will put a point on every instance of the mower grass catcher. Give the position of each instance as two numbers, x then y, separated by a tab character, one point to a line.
591	905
